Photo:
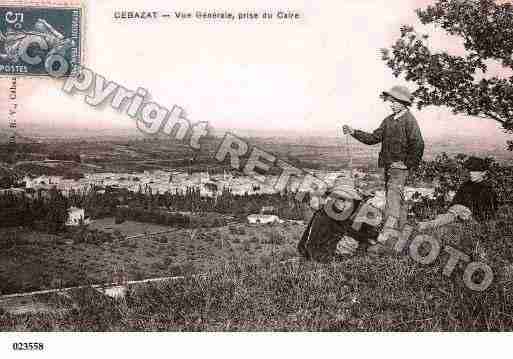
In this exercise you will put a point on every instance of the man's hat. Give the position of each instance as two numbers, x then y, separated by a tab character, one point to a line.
341	189
476	164
400	93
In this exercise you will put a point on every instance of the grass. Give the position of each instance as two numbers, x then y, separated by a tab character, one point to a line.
362	293
36	261
358	295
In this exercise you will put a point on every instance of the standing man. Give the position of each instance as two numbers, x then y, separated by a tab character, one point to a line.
402	148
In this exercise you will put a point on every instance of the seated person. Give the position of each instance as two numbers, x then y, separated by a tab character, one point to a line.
474	199
334	220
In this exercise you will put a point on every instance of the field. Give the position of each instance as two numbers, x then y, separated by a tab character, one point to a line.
37	261
137	154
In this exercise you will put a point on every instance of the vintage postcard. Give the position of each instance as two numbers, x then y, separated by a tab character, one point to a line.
255	166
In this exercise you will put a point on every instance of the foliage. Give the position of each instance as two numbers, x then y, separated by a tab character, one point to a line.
458	82
227	203
153	216
50	208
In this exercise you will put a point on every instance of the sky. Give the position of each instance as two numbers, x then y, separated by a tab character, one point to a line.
308	76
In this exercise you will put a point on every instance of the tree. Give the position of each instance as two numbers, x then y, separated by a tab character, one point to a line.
459	82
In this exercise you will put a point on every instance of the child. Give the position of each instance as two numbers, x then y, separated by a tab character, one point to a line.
474	199
334	220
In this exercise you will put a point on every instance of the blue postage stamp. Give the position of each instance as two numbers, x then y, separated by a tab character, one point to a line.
39	41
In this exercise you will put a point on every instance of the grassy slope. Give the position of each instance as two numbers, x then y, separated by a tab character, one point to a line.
37	261
361	293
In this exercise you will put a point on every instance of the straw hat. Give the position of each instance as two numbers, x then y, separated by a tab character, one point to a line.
345	191
400	93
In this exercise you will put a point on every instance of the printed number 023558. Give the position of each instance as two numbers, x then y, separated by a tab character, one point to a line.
28	346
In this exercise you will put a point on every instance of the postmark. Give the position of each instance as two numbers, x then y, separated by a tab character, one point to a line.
40	40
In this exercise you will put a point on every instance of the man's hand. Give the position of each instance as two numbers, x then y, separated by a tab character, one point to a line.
315	203
399	165
347	130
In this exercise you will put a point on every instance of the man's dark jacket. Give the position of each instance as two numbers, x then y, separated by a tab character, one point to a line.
401	140
480	198
321	236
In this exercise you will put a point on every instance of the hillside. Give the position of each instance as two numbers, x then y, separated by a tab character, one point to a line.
363	293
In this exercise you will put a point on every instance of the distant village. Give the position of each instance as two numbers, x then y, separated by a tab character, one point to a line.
175	182
209	185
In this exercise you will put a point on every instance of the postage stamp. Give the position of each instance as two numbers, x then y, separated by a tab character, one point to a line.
40	41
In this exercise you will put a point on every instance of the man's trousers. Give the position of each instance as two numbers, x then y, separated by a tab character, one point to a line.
396	210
